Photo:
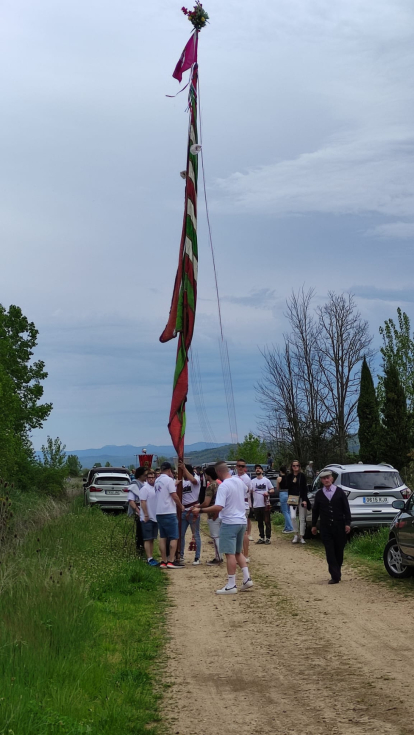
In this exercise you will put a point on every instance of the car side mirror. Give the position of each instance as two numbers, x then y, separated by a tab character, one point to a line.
398	504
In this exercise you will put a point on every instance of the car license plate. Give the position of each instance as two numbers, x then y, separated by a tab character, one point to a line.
376	499
111	492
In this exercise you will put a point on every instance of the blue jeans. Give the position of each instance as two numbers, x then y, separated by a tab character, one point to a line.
283	496
188	519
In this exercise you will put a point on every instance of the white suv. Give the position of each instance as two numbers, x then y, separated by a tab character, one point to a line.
371	491
109	491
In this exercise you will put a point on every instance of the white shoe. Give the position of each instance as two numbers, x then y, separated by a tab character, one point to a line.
196	562
251	538
246	585
225	591
302	540
295	540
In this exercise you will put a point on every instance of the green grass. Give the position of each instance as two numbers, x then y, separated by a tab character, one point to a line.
369	545
82	627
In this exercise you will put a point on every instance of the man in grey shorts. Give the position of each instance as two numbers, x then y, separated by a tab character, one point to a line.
230	506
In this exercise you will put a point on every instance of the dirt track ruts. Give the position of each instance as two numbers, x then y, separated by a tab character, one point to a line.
292	656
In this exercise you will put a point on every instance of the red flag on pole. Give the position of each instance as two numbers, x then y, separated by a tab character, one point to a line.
187	58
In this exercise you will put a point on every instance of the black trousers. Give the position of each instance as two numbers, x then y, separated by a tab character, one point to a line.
334	540
139	541
263	518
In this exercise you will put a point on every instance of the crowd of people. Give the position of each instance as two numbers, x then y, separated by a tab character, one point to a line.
230	499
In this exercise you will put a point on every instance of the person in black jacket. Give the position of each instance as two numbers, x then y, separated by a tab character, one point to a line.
297	486
331	507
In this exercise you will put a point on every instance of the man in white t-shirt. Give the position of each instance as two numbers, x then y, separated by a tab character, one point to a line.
167	503
148	516
241	472
190	497
231	508
262	486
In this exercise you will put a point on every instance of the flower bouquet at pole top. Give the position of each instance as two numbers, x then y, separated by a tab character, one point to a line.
198	16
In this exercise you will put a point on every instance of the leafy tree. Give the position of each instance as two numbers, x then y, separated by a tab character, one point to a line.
18	338
253	449
108	464
74	466
10	442
398	348
396	420
369	432
54	454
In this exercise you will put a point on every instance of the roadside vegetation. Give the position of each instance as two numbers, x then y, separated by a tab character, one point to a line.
82	626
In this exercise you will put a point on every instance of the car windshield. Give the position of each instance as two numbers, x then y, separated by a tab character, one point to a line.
372	480
108	480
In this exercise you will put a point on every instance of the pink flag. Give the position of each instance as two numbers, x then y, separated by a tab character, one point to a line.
187	58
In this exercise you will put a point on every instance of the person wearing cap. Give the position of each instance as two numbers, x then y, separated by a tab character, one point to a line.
166	514
331	508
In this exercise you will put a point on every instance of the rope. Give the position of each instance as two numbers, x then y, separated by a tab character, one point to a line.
224	352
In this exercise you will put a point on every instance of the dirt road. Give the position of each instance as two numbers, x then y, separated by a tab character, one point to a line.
292	656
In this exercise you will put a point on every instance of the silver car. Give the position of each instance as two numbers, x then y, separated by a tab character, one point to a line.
109	491
371	491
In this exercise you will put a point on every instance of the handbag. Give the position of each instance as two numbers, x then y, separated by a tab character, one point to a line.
293	499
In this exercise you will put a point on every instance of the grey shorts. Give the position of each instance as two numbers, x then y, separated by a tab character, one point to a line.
231	538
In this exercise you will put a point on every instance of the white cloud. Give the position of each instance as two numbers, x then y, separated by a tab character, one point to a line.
352	175
355	60
400	230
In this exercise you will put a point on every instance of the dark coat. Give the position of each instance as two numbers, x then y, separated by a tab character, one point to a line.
331	512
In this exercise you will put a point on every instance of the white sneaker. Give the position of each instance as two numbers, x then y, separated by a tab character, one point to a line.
251	538
225	591
302	540
246	585
295	540
196	562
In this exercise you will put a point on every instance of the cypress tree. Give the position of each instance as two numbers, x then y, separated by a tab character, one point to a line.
369	432
396	420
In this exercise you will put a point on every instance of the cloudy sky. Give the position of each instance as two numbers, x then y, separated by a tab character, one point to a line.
307	112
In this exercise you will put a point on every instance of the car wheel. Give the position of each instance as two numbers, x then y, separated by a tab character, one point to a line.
393	561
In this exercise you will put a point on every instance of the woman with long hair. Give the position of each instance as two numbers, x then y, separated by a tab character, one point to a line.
297	487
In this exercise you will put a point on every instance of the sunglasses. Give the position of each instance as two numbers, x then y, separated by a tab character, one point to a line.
240	465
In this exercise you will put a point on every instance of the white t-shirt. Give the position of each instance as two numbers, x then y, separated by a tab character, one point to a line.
191	493
247	496
133	494
147	493
230	495
164	486
260	486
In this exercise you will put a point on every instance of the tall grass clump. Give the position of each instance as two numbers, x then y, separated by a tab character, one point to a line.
81	627
369	545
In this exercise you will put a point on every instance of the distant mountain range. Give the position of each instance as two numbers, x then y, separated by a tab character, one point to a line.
126	455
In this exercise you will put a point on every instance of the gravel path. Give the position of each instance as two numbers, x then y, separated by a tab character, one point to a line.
292	656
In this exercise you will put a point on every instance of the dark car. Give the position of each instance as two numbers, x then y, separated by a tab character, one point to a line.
399	551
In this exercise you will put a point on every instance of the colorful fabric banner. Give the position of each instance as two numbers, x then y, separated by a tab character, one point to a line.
183	304
187	58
